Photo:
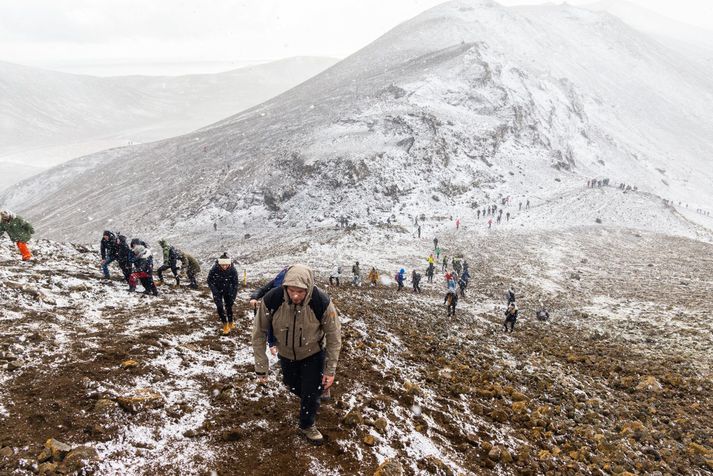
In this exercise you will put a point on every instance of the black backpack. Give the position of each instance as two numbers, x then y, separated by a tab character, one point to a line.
319	302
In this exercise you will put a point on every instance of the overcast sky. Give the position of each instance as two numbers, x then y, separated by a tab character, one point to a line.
128	36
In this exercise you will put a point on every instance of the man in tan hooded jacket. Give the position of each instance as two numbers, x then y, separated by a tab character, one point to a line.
304	321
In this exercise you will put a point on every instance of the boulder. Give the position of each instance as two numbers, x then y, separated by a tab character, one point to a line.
353	418
6	452
381	424
78	458
129	363
649	384
390	467
140	399
57	449
47	469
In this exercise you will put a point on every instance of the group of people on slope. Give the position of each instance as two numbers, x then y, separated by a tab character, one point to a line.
136	262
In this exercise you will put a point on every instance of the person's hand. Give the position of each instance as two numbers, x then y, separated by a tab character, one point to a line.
327	381
273	350
262	379
253	303
103	262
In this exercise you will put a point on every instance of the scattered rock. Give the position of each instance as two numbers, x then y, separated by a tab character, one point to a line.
649	384
369	440
57	449
6	452
129	363
78	458
519	397
494	453
104	405
390	467
15	365
233	435
499	416
47	469
354	418
381	424
141	399
411	388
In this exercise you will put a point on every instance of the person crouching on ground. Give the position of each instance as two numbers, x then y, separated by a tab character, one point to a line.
143	269
223	283
308	332
18	230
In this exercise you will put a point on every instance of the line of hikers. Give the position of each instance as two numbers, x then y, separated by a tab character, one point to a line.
137	263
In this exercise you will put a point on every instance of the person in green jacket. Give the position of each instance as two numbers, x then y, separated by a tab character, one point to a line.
18	230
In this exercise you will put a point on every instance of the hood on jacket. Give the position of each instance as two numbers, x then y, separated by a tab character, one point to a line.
6	215
141	252
299	276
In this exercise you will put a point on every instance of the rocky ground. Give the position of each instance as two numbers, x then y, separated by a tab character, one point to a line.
618	381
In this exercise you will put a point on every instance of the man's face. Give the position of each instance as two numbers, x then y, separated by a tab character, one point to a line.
297	295
105	237
224	266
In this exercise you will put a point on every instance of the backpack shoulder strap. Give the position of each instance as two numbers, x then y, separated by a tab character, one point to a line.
319	303
274	299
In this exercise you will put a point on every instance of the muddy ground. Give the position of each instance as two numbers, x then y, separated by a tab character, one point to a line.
617	381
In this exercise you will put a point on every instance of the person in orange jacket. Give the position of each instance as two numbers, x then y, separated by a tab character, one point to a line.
18	230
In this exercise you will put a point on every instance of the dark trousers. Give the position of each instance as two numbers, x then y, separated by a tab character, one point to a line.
332	279
171	266
224	312
511	323
304	379
192	278
105	266
125	269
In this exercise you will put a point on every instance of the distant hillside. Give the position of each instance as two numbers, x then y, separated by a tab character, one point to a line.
48	117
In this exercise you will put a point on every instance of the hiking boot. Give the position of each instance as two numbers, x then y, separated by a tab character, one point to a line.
232	325
226	329
178	281
313	435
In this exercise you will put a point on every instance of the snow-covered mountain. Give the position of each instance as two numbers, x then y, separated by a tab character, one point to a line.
47	117
466	104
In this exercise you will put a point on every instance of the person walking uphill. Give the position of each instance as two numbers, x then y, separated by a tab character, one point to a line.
223	283
171	256
108	248
18	230
309	340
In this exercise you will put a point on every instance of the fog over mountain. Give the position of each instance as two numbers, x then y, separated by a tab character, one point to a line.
48	117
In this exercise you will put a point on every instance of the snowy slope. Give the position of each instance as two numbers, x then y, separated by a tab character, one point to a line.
150	385
48	117
447	113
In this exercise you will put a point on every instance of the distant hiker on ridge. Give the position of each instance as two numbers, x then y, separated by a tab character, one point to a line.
373	277
510	317
18	230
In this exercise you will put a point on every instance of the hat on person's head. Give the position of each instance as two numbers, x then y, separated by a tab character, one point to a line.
224	259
